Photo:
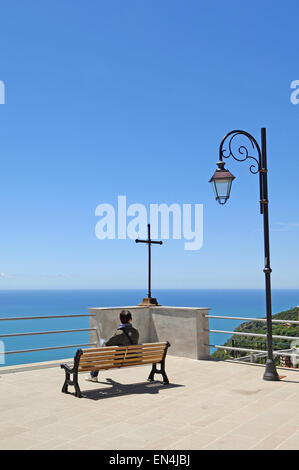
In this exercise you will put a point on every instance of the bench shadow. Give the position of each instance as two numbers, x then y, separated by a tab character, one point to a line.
116	389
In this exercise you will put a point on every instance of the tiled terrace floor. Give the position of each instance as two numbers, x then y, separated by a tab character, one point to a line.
209	405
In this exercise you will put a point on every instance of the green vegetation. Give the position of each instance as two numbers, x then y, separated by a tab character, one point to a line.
252	342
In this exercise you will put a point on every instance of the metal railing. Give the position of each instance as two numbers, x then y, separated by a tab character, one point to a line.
253	356
34	333
254	353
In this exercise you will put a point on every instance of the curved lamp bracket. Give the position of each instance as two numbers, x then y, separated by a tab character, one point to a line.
241	153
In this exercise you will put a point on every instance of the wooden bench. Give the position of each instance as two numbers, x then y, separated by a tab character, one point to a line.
113	357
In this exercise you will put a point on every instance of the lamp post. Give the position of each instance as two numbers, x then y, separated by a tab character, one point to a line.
222	181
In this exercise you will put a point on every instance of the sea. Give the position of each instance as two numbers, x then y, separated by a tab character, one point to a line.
18	303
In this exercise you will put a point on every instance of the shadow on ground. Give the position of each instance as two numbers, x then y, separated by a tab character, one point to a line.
116	389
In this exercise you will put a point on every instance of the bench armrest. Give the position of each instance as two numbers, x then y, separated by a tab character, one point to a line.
67	368
76	363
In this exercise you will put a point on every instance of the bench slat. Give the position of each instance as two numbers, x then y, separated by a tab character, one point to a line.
119	348
156	358
119	354
119	365
123	359
123	351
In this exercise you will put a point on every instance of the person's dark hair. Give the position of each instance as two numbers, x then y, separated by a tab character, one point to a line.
125	316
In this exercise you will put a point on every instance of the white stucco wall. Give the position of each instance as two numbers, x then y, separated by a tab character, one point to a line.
183	327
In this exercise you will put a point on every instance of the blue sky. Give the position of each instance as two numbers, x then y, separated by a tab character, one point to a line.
108	98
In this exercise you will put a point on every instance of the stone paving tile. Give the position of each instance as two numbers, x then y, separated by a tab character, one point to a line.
68	446
271	442
292	443
255	429
16	443
113	437
41	421
275	415
11	431
206	419
219	427
242	415
51	432
48	445
150	432
231	441
288	429
168	441
197	441
87	420
95	440
124	442
180	420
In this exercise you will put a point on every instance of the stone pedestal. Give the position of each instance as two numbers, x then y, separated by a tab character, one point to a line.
183	327
148	302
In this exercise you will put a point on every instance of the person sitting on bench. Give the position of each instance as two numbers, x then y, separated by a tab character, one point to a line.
125	335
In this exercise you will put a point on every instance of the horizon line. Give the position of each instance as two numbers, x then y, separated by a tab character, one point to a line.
143	290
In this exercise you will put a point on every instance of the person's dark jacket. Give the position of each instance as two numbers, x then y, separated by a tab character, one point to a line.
125	335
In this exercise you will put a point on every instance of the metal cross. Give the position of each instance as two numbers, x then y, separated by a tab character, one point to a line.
149	300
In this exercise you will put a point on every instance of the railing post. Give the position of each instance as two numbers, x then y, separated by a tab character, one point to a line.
252	357
203	335
94	335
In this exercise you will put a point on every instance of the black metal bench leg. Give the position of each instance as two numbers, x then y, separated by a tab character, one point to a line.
66	382
151	377
76	385
165	378
74	371
154	371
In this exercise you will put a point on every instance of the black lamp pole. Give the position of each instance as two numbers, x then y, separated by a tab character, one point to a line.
222	180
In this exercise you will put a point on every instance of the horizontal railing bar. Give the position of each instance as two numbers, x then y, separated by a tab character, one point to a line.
256	356
238	333
49	316
278	353
10	335
260	335
235	348
251	319
47	349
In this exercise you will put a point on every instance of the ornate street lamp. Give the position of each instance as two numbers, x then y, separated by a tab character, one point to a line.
222	181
